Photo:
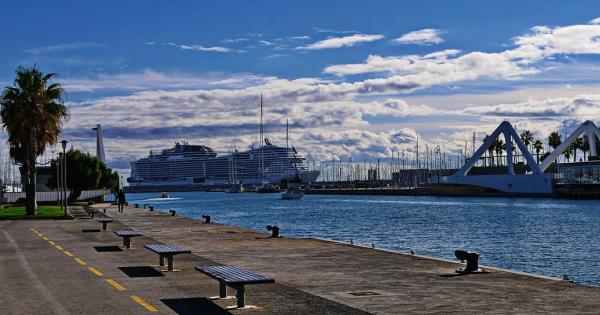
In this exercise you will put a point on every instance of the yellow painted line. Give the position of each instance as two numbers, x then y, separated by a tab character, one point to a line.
39	234
45	238
80	261
58	247
115	284
143	303
95	271
68	253
33	229
51	242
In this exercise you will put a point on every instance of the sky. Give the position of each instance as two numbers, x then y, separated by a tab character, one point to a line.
355	79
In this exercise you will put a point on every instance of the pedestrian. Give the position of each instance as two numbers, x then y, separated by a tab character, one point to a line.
121	200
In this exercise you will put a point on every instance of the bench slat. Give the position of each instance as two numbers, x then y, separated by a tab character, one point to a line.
167	249
128	233
232	275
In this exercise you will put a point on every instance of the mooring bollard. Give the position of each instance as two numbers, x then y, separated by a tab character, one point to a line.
173	212
127	203
471	258
151	208
104	210
145	205
206	218
135	205
274	230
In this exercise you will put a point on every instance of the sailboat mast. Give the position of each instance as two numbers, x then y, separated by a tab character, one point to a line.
262	153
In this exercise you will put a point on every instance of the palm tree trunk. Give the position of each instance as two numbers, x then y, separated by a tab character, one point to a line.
31	206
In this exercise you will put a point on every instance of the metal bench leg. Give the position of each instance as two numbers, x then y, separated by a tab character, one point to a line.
240	295
222	290
104	226
170	262
127	242
161	260
92	213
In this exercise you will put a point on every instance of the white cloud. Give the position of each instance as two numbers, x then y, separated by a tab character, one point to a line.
346	41
426	36
62	47
201	48
595	21
150	79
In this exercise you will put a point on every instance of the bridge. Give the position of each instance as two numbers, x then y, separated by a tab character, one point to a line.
533	182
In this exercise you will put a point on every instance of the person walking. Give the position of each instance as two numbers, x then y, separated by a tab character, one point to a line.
121	200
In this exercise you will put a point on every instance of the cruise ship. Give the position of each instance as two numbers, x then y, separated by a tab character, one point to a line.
198	165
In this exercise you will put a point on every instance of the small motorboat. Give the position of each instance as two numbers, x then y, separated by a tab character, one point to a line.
292	193
267	188
164	195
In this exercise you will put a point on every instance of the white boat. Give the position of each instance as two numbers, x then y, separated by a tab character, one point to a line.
292	193
164	195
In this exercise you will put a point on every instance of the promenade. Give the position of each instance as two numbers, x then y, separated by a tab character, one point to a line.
69	267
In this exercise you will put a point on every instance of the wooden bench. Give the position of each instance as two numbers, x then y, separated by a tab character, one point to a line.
92	212
127	235
168	251
234	277
104	222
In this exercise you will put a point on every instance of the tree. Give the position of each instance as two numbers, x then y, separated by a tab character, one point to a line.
490	150
32	113
538	146
577	144
527	138
84	172
585	146
498	147
554	140
568	152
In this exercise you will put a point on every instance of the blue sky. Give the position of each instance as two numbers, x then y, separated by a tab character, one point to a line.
353	77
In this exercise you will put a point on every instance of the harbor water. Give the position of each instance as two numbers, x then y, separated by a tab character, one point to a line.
550	237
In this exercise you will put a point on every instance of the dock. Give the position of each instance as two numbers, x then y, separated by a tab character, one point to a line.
313	276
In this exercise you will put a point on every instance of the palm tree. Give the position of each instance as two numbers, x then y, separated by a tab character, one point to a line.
554	140
577	144
490	150
32	113
568	152
499	147
527	138
538	146
585	146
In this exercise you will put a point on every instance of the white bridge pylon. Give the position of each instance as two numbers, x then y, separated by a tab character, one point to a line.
509	134
590	130
535	182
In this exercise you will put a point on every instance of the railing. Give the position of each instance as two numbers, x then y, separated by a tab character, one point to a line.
48	196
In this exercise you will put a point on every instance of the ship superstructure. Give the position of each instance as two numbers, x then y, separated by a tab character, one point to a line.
186	164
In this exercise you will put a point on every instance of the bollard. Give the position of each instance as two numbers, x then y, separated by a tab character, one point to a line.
104	210
145	205
173	212
206	218
135	205
472	261
151	208
274	230
127	203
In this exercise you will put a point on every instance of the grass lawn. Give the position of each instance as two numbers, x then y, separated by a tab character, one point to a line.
43	212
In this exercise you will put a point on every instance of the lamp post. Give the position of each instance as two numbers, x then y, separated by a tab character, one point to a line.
64	177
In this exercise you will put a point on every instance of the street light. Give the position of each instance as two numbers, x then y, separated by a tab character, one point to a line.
64	177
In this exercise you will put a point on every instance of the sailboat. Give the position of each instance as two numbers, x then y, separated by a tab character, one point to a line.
233	185
293	188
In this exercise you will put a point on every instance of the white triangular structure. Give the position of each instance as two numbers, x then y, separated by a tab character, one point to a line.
589	128
535	182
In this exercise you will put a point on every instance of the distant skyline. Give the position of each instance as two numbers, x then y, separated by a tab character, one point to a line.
355	79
